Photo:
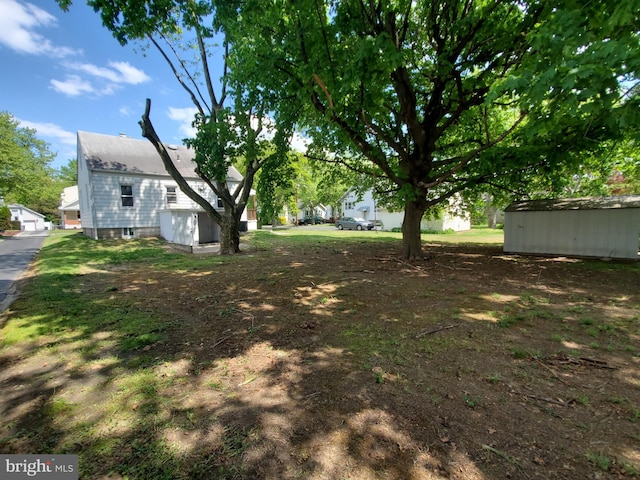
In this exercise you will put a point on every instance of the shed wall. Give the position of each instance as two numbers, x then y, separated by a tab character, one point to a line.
610	233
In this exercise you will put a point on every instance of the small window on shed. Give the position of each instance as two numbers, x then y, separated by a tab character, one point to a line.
172	195
126	193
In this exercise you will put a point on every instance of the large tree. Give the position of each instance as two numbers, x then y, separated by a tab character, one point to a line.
25	174
232	116
435	97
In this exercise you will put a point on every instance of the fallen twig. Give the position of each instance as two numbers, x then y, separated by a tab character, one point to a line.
435	330
547	367
410	265
584	361
219	342
502	455
222	339
548	400
444	266
596	363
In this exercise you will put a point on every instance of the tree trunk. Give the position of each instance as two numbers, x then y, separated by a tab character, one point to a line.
230	233
492	214
411	239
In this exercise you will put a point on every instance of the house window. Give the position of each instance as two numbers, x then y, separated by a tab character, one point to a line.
127	232
126	193
220	204
172	195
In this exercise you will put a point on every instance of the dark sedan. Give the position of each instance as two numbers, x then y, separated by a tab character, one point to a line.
351	223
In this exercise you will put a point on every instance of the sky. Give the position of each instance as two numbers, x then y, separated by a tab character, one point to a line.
63	72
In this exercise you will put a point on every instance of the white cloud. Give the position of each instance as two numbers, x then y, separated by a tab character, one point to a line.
119	72
73	86
51	130
129	74
105	81
126	111
18	24
185	116
61	140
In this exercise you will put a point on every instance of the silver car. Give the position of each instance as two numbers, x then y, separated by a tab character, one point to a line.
351	223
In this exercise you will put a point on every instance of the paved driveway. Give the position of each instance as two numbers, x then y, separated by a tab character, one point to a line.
15	255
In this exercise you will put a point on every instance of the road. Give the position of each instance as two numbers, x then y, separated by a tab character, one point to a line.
16	254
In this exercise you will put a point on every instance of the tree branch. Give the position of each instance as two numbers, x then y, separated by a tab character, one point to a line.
150	134
176	74
464	160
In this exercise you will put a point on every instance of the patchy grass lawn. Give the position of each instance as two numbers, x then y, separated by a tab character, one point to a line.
318	354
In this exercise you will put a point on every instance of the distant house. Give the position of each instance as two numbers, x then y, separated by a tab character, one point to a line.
606	227
366	207
30	221
125	192
70	209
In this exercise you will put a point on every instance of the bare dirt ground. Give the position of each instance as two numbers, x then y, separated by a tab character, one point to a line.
335	362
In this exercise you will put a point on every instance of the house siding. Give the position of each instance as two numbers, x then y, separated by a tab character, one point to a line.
606	233
109	211
112	233
106	163
85	194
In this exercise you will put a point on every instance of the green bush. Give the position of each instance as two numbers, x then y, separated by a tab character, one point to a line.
5	218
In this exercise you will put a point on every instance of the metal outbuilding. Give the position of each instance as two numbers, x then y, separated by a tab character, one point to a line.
603	227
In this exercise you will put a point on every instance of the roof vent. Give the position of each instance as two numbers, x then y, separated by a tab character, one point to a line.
171	146
123	135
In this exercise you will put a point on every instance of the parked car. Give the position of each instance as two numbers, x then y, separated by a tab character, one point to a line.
311	220
351	223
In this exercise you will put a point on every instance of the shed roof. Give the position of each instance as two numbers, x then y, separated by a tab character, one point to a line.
19	206
130	155
583	203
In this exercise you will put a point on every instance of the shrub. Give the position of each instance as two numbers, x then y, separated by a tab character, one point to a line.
5	218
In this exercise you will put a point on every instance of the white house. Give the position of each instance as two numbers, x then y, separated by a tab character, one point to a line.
70	208
367	208
607	227
30	221
125	192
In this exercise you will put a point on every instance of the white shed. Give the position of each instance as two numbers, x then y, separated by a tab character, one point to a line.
605	227
30	220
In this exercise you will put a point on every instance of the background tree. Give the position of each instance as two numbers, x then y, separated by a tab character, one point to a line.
432	98
306	187
5	218
334	183
68	173
275	189
24	161
194	37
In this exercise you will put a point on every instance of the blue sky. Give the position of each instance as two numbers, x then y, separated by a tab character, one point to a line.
63	72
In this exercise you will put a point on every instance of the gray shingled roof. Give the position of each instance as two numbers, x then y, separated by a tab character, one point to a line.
584	203
130	155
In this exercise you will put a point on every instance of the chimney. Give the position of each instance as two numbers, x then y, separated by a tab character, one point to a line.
123	135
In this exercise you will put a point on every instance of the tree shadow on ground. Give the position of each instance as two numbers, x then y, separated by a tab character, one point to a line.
328	362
